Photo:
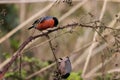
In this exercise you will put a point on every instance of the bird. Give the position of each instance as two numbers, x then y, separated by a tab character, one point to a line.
44	23
65	67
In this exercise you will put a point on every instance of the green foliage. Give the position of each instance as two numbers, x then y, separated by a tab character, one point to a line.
9	17
6	55
15	75
36	62
14	44
75	76
30	66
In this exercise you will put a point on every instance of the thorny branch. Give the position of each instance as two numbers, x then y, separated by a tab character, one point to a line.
23	45
53	51
57	72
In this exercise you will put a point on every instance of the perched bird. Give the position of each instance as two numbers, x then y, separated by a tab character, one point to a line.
65	67
45	23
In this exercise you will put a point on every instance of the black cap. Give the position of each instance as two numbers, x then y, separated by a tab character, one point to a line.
56	21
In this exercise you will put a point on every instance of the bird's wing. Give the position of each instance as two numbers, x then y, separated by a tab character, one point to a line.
35	22
42	19
68	67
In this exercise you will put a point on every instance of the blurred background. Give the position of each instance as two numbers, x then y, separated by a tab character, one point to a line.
91	57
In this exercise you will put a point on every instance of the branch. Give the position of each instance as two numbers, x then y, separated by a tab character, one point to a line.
18	52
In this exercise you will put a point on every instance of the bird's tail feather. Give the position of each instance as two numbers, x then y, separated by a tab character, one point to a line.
30	27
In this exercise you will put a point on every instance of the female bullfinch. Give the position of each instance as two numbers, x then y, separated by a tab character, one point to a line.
45	23
65	67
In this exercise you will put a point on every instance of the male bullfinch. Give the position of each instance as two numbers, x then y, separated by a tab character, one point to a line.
44	23
64	67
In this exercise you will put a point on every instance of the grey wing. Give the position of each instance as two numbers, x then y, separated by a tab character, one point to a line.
68	67
39	20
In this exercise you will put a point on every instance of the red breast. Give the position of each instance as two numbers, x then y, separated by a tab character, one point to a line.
45	24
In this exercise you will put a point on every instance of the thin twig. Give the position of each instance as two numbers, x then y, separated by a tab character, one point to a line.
53	51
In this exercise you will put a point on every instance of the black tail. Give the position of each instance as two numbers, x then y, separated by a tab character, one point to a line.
30	27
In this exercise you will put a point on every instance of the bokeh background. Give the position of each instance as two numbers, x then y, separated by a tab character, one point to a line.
91	57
